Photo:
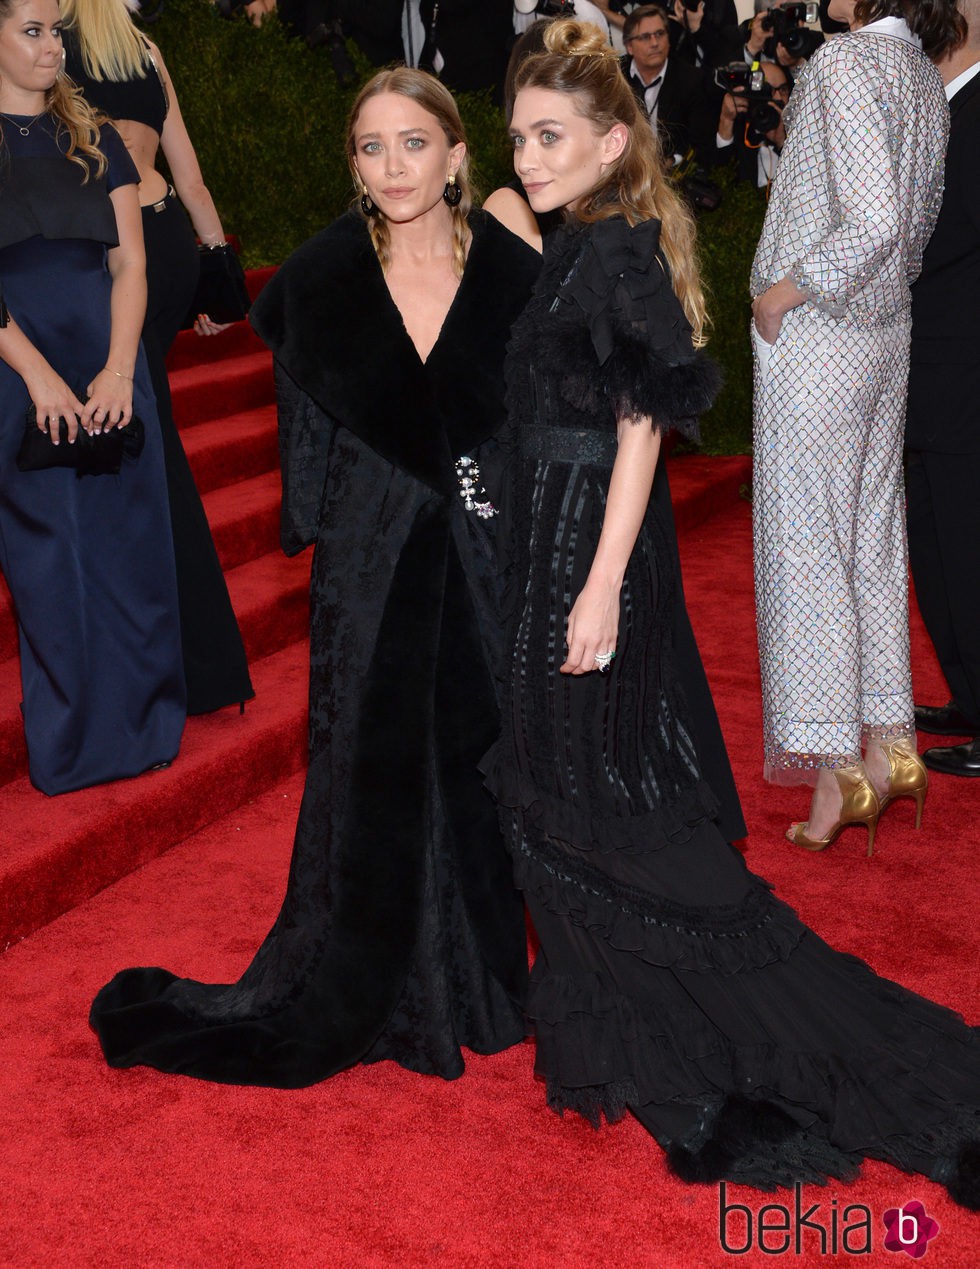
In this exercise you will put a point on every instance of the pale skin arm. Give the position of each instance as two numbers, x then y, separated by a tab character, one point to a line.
111	391
507	206
769	308
593	623
52	397
188	180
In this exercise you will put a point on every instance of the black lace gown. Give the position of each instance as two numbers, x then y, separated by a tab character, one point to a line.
670	981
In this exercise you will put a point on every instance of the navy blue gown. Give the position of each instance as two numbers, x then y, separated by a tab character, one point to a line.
89	561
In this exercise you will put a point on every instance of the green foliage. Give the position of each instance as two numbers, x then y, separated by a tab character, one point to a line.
268	118
727	239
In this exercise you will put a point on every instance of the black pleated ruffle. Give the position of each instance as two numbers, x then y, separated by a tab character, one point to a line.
852	1065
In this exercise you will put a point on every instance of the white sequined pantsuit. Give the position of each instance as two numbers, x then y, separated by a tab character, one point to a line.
853	204
831	570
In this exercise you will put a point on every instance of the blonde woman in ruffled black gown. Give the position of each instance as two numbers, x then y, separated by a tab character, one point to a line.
670	981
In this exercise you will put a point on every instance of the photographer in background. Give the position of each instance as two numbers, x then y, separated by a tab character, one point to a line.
780	33
750	125
669	90
701	30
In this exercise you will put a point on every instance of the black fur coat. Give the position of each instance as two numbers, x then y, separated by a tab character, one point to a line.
401	935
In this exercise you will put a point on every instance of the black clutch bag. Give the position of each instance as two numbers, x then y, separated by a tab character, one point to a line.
99	455
221	290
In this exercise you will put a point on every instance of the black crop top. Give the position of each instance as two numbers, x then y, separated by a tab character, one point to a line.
43	193
142	100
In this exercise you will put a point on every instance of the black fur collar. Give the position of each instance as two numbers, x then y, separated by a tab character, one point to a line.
330	320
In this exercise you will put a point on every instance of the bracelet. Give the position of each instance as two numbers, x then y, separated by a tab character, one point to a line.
118	375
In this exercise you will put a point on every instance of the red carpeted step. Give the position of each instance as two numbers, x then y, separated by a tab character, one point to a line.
244	518
194	350
236	447
270	596
197	350
217	389
56	852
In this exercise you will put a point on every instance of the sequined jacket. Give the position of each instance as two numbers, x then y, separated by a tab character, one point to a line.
860	180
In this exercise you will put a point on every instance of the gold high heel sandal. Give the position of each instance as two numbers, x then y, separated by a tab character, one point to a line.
859	805
907	775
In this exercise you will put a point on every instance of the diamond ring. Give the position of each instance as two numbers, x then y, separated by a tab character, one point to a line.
604	660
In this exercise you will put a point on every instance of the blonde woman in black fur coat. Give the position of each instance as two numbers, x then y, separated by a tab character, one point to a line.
401	935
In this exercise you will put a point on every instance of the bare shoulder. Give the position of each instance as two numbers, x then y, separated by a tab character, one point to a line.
507	206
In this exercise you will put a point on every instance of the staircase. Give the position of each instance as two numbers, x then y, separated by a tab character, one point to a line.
57	852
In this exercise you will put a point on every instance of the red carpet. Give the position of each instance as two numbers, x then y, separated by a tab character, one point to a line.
377	1167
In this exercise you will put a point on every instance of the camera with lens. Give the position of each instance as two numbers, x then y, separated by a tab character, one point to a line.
752	86
784	23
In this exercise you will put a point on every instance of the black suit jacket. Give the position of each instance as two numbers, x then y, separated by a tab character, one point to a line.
718	30
683	117
944	382
474	38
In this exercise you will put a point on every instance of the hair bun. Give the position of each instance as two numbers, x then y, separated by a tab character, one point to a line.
569	37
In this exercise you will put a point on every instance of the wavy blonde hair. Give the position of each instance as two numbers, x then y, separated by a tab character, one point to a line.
111	46
426	91
579	62
65	103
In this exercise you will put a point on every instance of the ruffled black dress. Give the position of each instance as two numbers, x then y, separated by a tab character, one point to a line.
670	981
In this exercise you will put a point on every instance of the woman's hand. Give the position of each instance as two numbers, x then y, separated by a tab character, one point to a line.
110	402
203	325
593	625
53	401
769	308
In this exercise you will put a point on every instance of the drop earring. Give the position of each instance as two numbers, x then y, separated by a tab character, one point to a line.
367	207
452	193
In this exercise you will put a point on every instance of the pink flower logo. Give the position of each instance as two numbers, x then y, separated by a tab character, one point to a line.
910	1229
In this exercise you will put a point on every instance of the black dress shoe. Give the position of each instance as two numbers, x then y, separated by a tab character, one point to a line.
958	760
944	720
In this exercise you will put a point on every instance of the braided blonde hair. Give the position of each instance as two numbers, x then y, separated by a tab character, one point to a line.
579	62
426	91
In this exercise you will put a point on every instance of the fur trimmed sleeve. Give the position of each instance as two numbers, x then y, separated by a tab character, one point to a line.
635	339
